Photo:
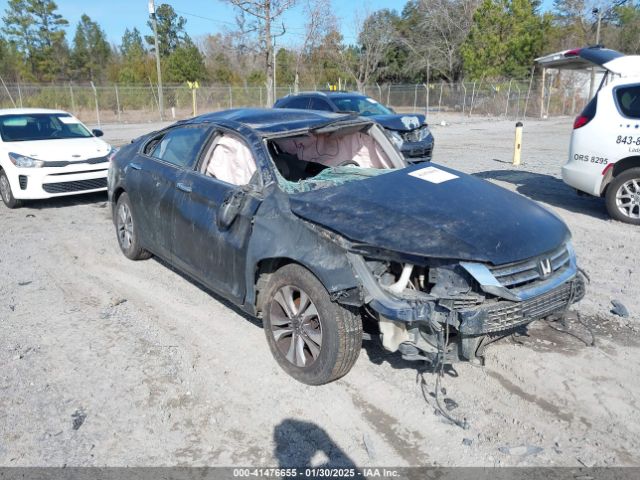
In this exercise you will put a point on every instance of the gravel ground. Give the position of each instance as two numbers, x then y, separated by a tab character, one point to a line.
108	362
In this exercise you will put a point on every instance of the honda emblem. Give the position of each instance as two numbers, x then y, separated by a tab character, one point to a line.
545	268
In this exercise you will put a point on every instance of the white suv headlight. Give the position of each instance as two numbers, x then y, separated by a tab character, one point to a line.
22	161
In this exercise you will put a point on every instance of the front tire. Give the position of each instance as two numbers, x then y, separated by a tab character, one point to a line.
313	339
127	231
623	197
5	192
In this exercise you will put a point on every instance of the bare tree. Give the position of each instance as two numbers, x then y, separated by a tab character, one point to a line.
265	12
375	34
435	34
320	22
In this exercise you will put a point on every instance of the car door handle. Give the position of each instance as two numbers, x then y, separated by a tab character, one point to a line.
135	166
184	187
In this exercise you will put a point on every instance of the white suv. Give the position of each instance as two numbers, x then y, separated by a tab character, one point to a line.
604	156
49	153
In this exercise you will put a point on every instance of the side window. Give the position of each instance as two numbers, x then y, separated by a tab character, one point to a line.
230	160
319	104
628	99
179	146
298	102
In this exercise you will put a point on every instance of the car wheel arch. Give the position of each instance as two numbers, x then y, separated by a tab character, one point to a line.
116	194
618	168
266	267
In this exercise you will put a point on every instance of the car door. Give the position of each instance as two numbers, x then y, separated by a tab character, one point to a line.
213	216
152	180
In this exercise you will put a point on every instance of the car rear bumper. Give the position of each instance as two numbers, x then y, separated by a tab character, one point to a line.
583	175
40	183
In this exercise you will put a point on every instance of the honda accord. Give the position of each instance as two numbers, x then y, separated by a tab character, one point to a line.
314	223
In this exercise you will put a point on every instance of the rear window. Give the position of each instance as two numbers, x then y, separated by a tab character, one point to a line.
296	102
628	100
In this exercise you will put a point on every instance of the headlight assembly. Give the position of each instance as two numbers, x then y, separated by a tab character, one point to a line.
395	138
22	161
112	153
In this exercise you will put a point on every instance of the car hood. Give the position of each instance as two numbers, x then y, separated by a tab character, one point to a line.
401	123
464	218
69	149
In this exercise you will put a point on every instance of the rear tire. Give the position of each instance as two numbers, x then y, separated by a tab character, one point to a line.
623	197
127	231
313	339
5	192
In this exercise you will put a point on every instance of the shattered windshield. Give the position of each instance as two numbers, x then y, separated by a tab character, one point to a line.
326	158
330	177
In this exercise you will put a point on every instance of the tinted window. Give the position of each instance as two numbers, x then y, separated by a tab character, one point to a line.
179	146
361	105
297	102
629	100
319	104
41	126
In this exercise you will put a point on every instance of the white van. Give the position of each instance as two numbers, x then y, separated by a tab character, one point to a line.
604	155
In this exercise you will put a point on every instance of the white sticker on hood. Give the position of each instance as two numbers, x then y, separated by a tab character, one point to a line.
69	120
433	175
410	123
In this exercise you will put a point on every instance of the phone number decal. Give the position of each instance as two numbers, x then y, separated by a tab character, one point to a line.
628	140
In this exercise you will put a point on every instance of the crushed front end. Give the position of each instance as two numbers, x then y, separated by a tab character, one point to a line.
419	302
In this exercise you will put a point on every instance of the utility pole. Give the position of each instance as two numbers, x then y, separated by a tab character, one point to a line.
592	84
275	63
275	69
152	14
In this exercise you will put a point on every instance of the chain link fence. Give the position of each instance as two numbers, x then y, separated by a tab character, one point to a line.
512	99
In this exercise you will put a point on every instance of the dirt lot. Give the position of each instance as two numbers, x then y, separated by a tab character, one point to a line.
104	361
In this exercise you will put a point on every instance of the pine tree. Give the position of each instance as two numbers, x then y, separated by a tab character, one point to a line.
171	33
36	30
505	38
91	51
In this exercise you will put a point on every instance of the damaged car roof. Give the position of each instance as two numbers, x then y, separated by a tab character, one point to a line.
269	121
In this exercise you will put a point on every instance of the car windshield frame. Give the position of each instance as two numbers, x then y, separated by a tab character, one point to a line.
360	100
58	129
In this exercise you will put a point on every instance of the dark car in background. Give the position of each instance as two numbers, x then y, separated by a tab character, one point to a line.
314	222
409	132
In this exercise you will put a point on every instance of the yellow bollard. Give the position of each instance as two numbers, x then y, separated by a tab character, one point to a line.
193	86
517	147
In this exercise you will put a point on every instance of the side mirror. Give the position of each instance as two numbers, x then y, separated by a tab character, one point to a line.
230	209
97	132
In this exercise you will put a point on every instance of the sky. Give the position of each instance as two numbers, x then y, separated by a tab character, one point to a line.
203	16
210	16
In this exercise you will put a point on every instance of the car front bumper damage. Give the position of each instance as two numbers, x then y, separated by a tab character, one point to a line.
470	315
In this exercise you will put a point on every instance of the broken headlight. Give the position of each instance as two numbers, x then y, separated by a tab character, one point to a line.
395	138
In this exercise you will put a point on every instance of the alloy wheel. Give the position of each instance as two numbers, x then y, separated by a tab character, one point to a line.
296	326
125	226
628	198
5	189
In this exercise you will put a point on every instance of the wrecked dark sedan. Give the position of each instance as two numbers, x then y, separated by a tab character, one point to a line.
409	132
314	223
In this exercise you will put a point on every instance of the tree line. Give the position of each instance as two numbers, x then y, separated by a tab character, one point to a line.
427	40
